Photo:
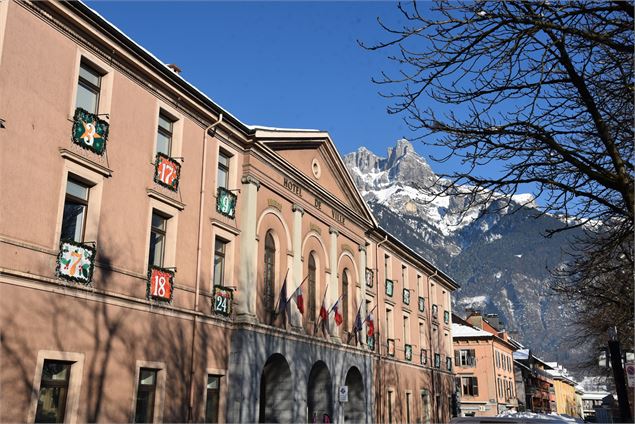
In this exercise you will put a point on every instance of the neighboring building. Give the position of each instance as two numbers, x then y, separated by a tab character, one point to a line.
484	368
145	237
594	400
565	390
534	381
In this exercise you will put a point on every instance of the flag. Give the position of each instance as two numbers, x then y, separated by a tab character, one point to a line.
299	300
323	313
370	324
338	315
282	299
357	325
297	296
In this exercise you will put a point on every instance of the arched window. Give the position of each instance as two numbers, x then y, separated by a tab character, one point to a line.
311	287
270	272
345	300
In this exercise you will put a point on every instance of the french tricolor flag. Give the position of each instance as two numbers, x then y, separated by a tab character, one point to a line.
299	300
338	316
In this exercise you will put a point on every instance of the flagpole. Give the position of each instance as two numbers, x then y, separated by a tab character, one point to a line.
296	289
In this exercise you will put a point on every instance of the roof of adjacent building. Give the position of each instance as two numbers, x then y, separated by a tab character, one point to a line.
460	330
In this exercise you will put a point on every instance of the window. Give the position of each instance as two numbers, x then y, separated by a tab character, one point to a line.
408	395
391	400
448	363
425	407
222	179
51	404
446	317
312	283
157	239
437	360
406	330
75	210
213	398
88	88
469	386
345	299
220	248
404	276
435	311
389	324
270	271
465	358
164	134
146	390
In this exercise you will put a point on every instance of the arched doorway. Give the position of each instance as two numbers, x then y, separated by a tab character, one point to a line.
319	393
354	409
276	391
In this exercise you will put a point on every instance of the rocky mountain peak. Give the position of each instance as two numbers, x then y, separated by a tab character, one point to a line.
402	164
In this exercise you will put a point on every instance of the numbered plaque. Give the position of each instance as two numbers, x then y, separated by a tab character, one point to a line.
75	262
390	287
406	297
222	302
391	347
423	357
369	277
226	202
89	131
167	172
160	284
422	304
408	352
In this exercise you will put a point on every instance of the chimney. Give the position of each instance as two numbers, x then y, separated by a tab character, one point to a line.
174	68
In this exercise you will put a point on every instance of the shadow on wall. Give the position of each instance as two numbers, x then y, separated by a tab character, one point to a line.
113	338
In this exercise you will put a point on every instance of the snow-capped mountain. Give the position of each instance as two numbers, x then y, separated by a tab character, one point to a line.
500	259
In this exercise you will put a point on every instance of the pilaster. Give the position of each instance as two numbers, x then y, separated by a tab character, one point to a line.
247	262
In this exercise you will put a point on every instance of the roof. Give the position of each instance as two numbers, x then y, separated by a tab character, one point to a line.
460	330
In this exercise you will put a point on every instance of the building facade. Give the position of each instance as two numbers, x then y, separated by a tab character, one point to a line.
568	396
484	370
149	240
534	381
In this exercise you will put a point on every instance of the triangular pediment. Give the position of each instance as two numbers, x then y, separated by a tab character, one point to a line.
314	155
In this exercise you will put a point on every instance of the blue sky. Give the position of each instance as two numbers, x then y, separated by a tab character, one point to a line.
283	64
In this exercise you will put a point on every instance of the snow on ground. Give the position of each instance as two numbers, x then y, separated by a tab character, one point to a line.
493	237
553	417
526	199
476	302
374	178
